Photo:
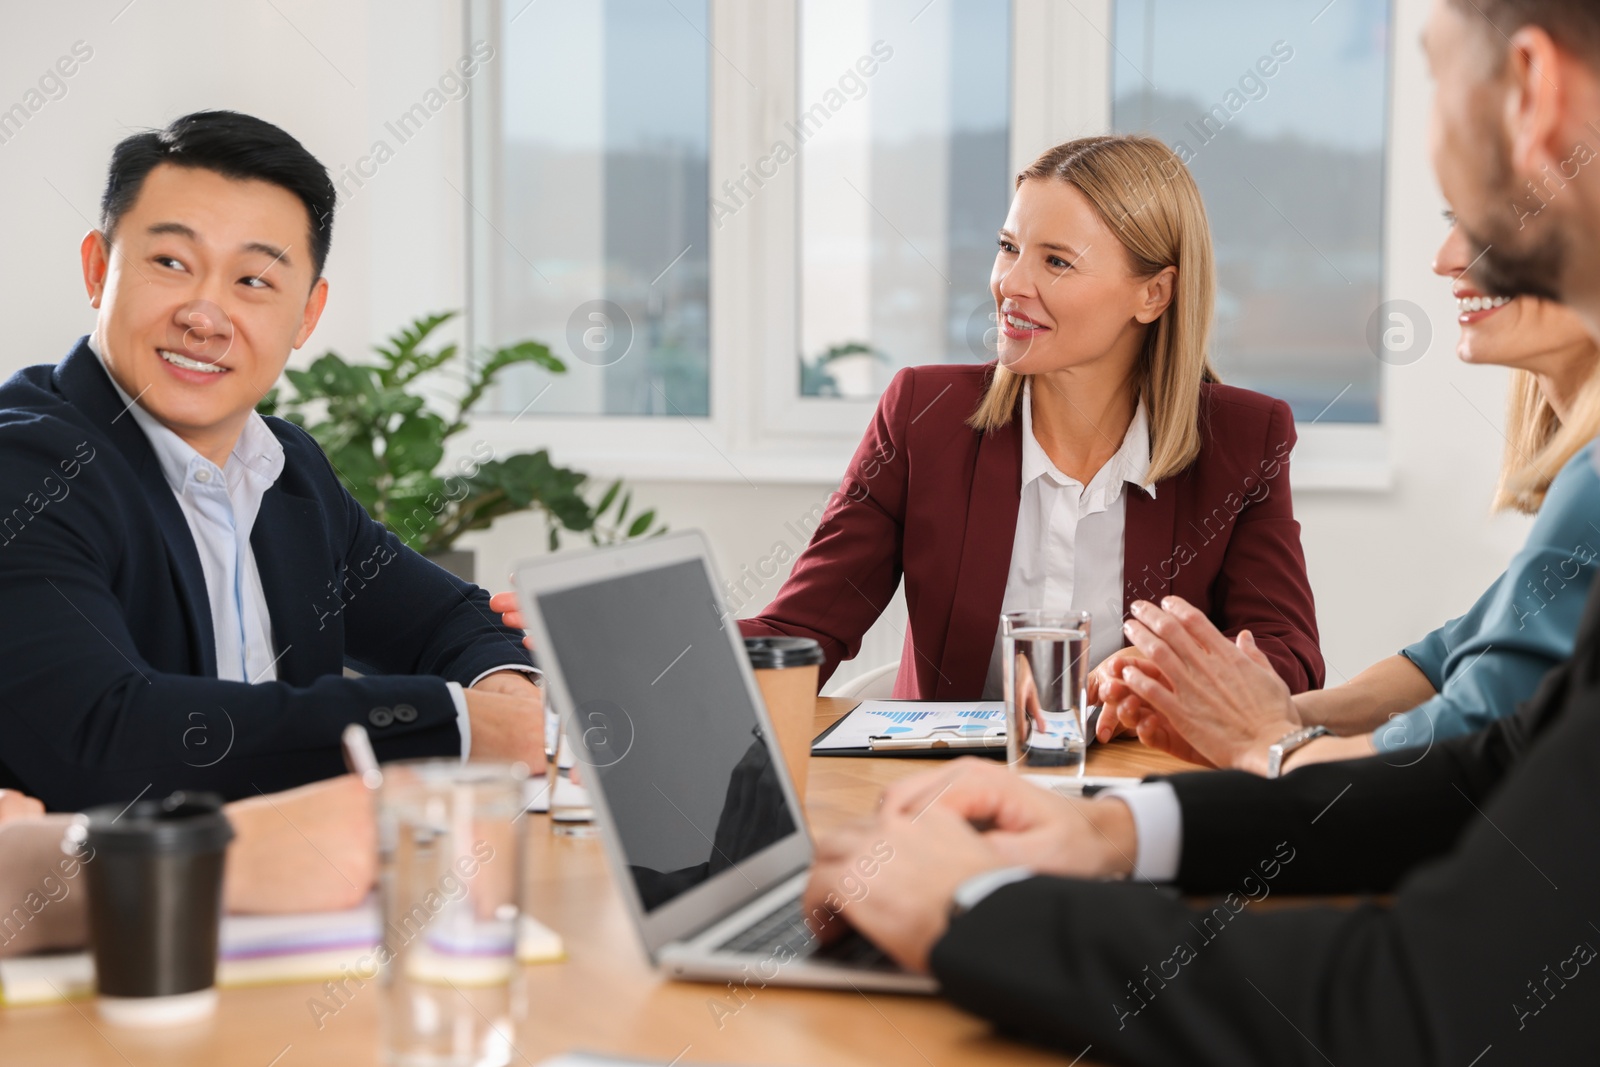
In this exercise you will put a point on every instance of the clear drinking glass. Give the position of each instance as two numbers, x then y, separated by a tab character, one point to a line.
571	813
450	844
1046	668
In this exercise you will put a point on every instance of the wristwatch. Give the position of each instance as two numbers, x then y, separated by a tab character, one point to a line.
1287	744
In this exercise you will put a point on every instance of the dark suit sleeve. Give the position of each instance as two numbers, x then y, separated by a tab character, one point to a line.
1493	947
412	616
1364	823
1119	973
1263	586
849	572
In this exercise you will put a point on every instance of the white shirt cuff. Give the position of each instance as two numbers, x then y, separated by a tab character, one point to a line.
969	893
1158	821
463	720
523	667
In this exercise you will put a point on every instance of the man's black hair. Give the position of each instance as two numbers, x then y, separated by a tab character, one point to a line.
235	146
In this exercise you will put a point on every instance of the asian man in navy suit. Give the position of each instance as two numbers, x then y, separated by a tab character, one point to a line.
182	581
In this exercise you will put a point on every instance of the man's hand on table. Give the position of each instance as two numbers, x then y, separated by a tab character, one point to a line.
15	805
507	713
314	848
893	877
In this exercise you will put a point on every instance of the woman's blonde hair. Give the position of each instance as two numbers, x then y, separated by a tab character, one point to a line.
1145	194
1539	443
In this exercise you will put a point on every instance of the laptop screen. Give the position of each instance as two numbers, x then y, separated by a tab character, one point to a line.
668	725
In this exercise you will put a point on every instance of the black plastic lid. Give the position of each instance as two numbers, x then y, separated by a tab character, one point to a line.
767	653
183	822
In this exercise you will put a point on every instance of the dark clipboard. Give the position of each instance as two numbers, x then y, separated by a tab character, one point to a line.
998	752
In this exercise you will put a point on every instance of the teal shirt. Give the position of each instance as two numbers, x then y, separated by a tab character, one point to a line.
1489	660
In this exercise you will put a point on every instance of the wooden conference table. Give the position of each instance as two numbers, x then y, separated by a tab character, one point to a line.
603	997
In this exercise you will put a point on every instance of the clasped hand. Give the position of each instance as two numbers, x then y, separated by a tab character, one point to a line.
1196	694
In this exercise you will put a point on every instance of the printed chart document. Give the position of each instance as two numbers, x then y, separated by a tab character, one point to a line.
966	726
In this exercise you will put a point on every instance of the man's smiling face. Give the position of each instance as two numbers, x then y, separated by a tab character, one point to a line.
204	289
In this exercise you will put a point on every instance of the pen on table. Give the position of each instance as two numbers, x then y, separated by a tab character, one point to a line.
882	743
359	757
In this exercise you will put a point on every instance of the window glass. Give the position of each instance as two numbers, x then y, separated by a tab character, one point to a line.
1279	110
597	241
903	130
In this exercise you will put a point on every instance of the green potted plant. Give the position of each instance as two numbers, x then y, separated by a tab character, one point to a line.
387	444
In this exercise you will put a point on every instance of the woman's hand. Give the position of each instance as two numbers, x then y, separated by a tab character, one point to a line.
1221	699
1120	707
510	615
1152	729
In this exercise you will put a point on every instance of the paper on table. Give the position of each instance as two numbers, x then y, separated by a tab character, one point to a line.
537	796
914	718
259	950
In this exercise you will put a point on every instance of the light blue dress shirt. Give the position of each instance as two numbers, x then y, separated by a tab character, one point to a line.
1489	660
220	505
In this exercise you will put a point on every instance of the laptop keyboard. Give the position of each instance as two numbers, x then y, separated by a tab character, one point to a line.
786	928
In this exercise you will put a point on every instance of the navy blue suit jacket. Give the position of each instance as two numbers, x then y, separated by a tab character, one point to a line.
108	685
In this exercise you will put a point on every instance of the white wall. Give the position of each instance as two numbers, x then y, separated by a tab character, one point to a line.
1385	566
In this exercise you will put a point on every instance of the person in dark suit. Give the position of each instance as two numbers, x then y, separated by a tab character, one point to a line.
1097	462
1483	840
182	581
1483	954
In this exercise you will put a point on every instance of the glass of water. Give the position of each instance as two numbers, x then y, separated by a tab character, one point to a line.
450	846
571	814
1046	669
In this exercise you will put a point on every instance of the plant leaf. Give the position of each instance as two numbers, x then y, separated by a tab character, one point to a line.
416	444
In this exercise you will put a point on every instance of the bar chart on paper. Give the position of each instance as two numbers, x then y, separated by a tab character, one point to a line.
913	718
906	721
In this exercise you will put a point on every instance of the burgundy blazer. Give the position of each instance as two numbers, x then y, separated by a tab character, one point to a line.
929	499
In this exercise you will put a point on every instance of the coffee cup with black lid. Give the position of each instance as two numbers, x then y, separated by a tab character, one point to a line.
786	669
155	905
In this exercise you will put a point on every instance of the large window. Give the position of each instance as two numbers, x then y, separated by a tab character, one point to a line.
1282	122
736	220
597	242
902	185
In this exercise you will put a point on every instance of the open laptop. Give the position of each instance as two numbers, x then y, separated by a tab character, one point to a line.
700	821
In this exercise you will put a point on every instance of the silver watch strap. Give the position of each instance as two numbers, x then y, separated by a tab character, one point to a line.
1287	744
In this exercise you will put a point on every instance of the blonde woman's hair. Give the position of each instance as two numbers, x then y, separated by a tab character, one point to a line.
1145	194
1538	443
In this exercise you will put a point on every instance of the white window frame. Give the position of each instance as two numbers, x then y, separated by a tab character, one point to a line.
760	430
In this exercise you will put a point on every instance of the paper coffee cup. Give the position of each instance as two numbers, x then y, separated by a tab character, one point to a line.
786	670
155	906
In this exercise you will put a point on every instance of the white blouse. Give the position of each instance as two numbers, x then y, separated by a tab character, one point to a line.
1067	553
